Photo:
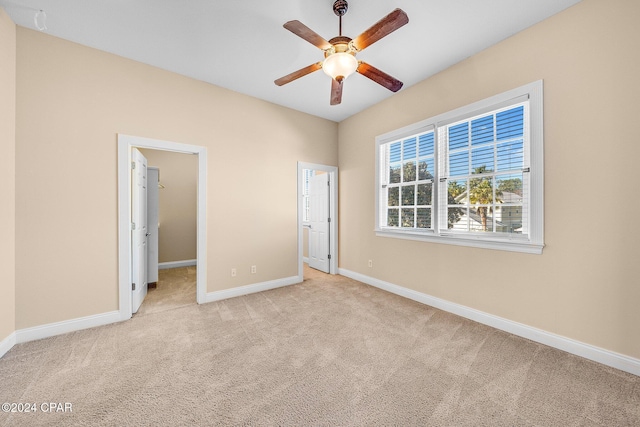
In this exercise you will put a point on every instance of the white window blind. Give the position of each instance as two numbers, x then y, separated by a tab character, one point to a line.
485	177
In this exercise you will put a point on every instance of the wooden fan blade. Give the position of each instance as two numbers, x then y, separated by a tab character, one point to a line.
382	28
301	30
336	91
379	77
297	74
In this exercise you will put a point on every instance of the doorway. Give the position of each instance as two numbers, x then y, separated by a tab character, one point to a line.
125	145
172	230
306	171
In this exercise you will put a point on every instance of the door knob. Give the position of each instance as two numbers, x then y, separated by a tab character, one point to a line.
148	234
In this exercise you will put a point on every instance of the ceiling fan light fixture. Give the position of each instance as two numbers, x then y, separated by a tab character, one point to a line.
340	52
340	64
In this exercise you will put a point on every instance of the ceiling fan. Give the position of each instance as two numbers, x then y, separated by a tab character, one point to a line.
340	52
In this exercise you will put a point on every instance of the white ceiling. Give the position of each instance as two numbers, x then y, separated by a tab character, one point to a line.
241	44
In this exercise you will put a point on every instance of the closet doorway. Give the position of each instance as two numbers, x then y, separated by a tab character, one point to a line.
172	230
125	145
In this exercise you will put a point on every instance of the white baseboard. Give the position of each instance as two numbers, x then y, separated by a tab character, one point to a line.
305	259
250	289
7	343
66	326
58	328
177	264
597	354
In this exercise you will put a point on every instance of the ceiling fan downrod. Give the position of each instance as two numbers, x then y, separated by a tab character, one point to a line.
340	7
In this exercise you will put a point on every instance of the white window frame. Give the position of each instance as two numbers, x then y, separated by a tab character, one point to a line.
534	160
308	174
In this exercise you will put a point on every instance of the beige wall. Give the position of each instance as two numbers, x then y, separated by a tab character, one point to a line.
72	101
7	174
177	206
585	284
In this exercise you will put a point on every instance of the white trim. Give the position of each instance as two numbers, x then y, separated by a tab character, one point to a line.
72	325
512	245
125	144
597	354
7	344
177	264
333	209
250	289
305	260
66	326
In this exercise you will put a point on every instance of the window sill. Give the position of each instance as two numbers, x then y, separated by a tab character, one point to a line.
511	245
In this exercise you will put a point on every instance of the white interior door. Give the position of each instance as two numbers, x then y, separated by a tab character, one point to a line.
319	222
138	229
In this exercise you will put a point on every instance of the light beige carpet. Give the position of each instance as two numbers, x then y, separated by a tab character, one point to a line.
327	352
176	287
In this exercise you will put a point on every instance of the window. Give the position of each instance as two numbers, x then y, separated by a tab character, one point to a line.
409	181
308	173
471	177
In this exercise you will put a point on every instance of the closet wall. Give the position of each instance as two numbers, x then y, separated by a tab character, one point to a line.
177	204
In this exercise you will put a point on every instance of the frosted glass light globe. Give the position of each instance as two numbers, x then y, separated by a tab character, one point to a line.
340	64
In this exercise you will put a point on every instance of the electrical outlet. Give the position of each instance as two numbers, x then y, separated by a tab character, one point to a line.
253	269
370	263
233	272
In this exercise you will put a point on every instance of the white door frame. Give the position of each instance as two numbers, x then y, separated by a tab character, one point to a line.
125	143
333	210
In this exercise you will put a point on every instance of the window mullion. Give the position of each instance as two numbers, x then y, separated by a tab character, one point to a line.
415	185
441	196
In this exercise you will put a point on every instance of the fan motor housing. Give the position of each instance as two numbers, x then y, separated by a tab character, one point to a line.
340	44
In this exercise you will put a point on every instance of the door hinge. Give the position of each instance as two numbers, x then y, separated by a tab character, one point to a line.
328	219
329	256
133	286
133	165
133	225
